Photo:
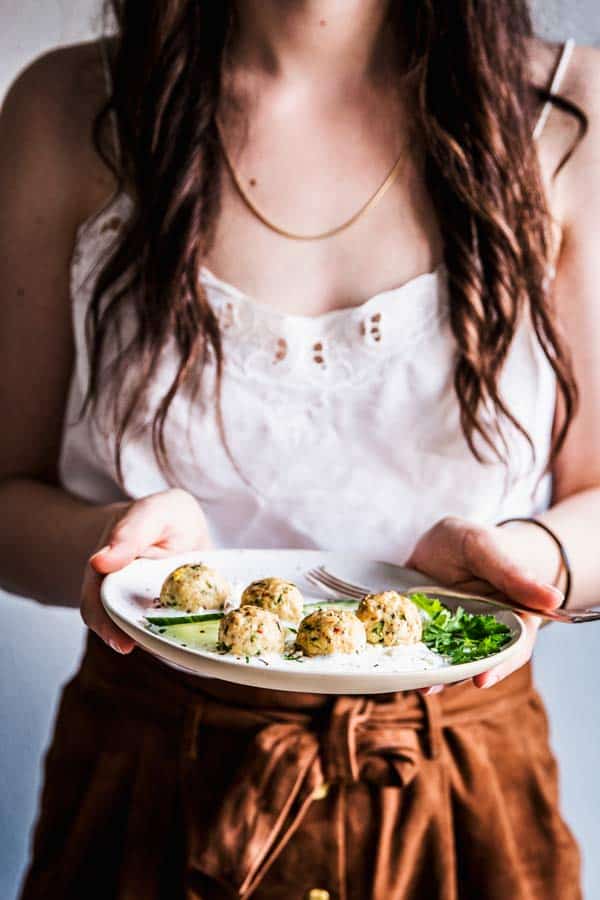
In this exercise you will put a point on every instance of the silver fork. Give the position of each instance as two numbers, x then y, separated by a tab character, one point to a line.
325	579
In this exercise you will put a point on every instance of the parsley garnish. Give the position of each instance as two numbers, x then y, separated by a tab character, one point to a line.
377	630
461	636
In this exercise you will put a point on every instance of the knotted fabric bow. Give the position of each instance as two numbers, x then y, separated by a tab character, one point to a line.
289	762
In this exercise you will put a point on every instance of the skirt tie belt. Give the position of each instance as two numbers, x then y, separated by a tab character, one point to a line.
291	763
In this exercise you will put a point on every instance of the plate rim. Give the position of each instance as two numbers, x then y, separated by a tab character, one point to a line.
203	664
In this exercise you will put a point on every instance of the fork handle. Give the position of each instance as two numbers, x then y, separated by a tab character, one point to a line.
567	616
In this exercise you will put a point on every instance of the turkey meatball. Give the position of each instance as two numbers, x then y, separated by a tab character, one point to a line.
194	587
390	619
280	597
328	631
251	631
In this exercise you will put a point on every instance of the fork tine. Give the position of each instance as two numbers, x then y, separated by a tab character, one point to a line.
334	584
346	585
323	581
318	583
349	590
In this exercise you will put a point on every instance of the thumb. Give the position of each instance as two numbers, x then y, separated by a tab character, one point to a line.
140	528
535	594
494	566
113	557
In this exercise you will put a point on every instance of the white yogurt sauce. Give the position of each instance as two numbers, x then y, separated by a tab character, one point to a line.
407	658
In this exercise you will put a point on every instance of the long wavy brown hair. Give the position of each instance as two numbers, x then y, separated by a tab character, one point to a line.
475	108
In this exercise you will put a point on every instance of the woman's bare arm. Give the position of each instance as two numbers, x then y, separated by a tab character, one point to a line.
575	514
520	560
45	172
575	511
50	181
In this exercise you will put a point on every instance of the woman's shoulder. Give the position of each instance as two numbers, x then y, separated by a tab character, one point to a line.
50	105
583	65
582	87
580	81
563	137
582	78
580	179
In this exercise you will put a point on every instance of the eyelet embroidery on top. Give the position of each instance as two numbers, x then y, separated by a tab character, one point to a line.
282	349
309	350
370	328
320	351
375	331
227	315
318	354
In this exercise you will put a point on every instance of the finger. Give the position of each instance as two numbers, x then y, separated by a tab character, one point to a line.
96	618
487	561
140	527
498	673
434	689
161	552
438	688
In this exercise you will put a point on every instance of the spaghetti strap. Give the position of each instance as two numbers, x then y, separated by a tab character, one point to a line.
106	66
559	73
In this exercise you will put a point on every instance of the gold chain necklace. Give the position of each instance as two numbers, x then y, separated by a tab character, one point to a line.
375	198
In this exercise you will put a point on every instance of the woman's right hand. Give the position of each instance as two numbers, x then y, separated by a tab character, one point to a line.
169	522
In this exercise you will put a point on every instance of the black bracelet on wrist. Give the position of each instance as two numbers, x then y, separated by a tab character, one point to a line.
560	547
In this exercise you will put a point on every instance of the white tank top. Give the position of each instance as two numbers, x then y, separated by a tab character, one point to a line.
345	425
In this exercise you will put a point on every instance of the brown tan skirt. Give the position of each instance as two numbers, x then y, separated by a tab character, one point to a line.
159	785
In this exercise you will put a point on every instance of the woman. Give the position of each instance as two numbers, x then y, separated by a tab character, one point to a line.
291	411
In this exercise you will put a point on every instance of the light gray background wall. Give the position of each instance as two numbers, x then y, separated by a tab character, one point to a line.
39	648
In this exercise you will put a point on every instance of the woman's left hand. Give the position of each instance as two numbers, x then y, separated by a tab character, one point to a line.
475	559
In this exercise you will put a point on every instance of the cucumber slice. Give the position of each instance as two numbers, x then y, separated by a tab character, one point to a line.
184	620
332	604
198	635
200	631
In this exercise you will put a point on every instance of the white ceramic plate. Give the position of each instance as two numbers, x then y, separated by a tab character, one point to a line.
130	595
